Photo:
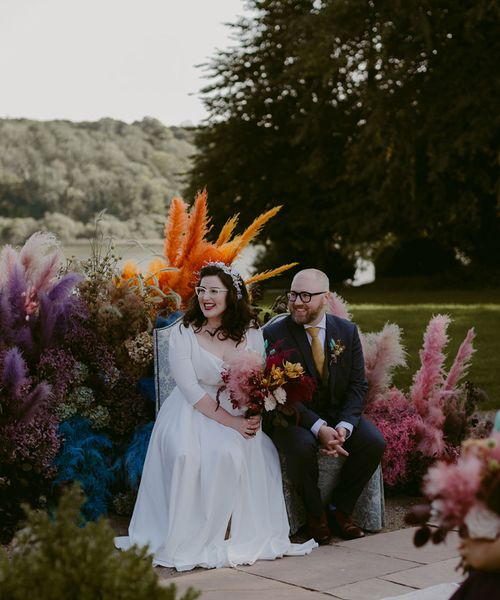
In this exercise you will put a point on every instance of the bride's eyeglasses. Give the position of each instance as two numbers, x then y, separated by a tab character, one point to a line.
211	292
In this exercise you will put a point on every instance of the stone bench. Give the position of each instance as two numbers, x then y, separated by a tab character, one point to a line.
370	507
369	510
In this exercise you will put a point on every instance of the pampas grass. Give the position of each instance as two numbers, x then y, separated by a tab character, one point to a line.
383	352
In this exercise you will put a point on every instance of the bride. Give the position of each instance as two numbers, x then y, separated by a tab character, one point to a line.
211	491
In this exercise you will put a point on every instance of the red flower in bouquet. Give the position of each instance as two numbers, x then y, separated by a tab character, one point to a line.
465	494
264	386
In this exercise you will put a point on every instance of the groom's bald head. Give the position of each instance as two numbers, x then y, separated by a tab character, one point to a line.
313	277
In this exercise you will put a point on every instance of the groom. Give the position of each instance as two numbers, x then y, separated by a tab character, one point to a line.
330	351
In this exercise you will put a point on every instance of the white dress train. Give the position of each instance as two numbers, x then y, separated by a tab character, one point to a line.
199	476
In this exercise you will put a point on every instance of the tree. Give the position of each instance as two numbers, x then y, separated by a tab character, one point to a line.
370	121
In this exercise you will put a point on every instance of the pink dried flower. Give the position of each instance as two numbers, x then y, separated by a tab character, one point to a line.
241	366
455	487
397	420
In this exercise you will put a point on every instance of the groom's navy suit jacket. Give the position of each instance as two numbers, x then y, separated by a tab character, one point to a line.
340	396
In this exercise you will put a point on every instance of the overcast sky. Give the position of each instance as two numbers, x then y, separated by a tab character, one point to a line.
125	59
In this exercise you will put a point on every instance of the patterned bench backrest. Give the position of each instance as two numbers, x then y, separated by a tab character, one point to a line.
275	319
164	382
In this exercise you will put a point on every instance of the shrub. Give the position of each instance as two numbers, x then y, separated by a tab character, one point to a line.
57	558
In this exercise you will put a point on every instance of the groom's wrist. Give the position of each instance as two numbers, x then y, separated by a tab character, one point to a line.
317	426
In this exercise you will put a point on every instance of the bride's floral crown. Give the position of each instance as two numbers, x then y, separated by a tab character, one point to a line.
228	270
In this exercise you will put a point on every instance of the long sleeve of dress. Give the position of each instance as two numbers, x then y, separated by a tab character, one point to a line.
181	364
256	341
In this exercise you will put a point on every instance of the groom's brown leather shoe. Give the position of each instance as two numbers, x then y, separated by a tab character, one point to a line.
344	526
318	528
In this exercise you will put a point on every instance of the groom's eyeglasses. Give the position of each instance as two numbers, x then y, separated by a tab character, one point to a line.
305	297
211	292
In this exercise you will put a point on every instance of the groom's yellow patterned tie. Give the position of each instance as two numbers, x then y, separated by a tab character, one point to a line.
317	349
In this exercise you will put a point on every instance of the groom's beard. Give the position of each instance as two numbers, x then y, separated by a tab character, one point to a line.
307	314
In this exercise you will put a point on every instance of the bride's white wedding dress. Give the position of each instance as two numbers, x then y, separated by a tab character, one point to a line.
200	476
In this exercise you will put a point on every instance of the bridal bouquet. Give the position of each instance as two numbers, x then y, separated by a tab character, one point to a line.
465	494
273	385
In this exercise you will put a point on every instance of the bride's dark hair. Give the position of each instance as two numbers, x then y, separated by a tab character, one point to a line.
238	316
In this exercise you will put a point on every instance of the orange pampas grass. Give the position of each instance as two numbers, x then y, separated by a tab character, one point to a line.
187	250
232	249
197	226
175	231
130	269
268	274
227	231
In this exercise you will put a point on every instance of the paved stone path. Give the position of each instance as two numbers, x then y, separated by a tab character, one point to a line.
377	566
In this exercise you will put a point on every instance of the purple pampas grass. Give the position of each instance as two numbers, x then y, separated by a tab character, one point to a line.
15	290
64	287
15	372
18	403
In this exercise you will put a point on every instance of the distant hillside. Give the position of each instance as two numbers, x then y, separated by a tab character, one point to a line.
58	174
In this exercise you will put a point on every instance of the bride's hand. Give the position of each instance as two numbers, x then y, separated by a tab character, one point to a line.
247	427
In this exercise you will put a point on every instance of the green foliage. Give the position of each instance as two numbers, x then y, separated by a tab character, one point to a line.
59	174
52	559
412	309
373	123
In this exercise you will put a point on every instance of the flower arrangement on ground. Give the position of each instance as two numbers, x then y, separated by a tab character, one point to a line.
464	494
428	422
270	385
37	306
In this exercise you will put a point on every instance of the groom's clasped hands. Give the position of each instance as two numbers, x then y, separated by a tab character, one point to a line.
331	441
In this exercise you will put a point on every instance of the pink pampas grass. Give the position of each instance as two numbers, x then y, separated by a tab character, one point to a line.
383	352
35	249
337	306
432	357
462	361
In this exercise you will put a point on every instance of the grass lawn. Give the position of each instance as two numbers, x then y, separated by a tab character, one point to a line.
371	308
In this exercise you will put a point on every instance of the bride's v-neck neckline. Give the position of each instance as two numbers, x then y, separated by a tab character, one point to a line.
208	351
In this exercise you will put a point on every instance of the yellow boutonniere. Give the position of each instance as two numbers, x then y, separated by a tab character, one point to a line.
336	348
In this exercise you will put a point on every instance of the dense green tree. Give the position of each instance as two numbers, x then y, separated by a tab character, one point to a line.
373	122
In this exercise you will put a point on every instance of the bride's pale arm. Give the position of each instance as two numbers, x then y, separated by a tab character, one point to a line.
181	365
246	427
